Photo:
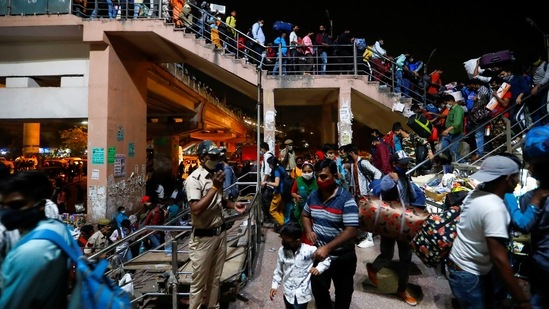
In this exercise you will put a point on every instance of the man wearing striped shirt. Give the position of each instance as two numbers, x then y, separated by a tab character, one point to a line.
330	221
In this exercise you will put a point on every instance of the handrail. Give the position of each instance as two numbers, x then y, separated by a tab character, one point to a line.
482	126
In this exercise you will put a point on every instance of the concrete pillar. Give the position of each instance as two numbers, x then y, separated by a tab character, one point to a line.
117	127
269	119
328	127
345	117
166	157
31	138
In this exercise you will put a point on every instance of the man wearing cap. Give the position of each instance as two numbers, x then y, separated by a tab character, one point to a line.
454	126
287	156
208	244
99	240
482	234
397	186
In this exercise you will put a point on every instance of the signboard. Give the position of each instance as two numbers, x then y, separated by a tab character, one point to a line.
98	155
111	154
217	8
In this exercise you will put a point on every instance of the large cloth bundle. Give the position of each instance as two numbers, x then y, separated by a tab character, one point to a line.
390	218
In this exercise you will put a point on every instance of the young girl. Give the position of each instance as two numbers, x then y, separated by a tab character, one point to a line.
294	268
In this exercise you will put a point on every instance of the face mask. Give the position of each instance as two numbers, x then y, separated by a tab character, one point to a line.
507	78
261	152
307	176
287	247
401	171
328	184
330	156
21	218
210	165
449	106
261	24
290	148
123	211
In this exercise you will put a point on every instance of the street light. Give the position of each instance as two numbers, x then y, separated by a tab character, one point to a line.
545	36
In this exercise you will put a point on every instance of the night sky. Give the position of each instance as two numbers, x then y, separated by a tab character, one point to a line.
459	30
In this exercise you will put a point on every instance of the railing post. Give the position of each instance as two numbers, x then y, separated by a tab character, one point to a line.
508	142
355	65
173	277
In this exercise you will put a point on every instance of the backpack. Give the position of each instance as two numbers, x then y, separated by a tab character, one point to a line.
360	44
233	191
536	145
420	125
368	53
287	183
366	172
93	289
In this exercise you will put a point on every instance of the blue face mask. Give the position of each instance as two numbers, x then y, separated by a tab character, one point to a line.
400	170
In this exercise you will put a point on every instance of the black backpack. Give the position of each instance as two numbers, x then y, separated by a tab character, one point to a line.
286	182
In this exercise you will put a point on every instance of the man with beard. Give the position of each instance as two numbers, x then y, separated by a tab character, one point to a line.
35	273
208	244
397	186
482	234
330	222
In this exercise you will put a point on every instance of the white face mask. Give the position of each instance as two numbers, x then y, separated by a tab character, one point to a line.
290	148
307	176
330	156
449	106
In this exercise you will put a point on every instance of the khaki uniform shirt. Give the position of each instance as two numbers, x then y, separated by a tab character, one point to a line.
97	242
196	186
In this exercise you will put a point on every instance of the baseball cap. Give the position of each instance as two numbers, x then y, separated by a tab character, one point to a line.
401	157
288	142
145	199
207	147
103	221
494	167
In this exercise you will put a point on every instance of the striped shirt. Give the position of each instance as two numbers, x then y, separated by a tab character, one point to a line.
332	217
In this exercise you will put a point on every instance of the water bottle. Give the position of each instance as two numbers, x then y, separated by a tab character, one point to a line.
168	244
142	247
302	192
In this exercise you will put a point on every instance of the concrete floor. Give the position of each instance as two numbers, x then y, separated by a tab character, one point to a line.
430	290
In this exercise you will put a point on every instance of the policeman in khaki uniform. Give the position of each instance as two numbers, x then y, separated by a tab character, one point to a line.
98	241
208	245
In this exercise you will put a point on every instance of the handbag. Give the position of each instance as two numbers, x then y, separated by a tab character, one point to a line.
479	115
390	218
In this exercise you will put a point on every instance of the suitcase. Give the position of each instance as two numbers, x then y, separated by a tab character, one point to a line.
420	125
497	59
281	26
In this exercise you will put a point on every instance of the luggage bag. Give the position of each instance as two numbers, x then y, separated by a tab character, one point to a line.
420	125
496	59
282	26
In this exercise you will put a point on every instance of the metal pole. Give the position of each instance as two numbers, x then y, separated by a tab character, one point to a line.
173	277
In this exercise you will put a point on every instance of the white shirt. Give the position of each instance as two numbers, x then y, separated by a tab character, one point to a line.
482	215
257	33
266	169
292	270
379	52
293	38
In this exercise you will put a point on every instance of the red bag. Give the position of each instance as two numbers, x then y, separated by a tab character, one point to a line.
390	218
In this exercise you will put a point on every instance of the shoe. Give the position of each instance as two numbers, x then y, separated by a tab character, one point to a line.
366	243
372	275
407	297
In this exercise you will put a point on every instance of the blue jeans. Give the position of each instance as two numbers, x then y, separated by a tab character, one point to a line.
479	140
469	289
398	77
295	305
136	9
447	140
275	69
324	60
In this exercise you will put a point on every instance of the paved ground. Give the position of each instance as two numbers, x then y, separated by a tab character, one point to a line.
431	290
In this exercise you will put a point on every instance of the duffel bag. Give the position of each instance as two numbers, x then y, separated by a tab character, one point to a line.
433	241
390	218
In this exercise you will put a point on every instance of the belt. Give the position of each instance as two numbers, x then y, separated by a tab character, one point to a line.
209	232
453	265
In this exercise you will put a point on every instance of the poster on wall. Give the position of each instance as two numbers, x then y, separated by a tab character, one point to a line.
98	155
120	165
131	150
110	155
